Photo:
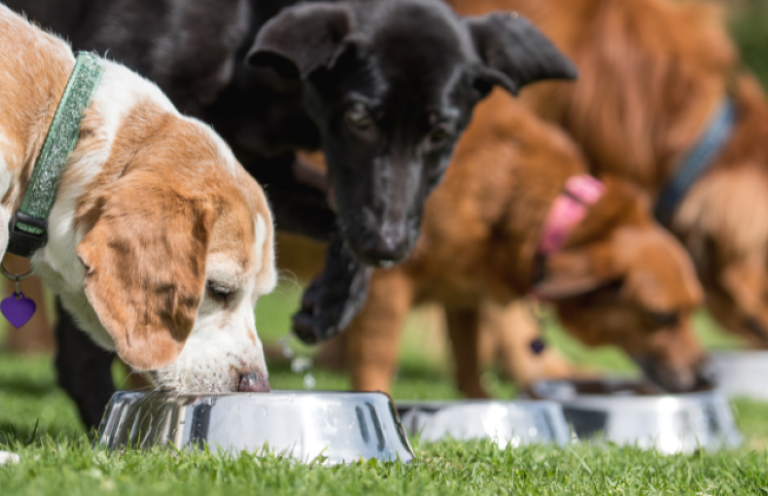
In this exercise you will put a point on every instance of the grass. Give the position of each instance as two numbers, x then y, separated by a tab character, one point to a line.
39	422
71	467
749	29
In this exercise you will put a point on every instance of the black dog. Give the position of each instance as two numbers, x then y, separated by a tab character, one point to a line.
384	88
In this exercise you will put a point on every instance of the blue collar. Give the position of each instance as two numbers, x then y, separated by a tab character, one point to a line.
697	161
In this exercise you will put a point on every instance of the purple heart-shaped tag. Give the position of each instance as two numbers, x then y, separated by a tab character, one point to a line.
18	309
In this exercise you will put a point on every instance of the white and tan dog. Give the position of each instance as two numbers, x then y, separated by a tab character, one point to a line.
159	242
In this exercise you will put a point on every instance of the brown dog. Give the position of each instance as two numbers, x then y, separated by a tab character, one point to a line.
618	279
652	75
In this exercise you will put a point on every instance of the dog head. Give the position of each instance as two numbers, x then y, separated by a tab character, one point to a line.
391	86
161	252
633	287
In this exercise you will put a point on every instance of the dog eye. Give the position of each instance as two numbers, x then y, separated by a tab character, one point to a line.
662	319
439	137
358	117
222	294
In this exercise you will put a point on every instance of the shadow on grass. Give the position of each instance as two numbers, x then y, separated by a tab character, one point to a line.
12	434
27	387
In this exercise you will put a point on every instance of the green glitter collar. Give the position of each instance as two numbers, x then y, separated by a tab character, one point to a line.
28	227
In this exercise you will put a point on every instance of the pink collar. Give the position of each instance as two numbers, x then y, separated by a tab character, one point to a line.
569	209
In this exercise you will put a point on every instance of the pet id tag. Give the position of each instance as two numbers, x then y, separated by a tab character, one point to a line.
537	345
18	309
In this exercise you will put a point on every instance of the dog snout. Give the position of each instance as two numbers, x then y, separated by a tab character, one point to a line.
385	240
678	378
253	382
383	249
706	374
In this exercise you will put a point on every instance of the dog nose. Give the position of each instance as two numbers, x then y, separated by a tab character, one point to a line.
382	249
253	383
706	374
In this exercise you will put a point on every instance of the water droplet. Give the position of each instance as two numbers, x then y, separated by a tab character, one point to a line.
286	347
301	364
309	381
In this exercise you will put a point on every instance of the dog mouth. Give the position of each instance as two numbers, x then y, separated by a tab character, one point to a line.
698	377
180	383
379	244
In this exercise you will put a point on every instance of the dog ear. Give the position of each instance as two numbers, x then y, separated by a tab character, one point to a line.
515	53
145	269
302	39
575	272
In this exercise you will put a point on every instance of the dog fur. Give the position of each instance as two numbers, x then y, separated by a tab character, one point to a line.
153	222
652	73
621	279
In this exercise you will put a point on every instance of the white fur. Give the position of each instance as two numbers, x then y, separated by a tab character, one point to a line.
57	264
6	180
223	343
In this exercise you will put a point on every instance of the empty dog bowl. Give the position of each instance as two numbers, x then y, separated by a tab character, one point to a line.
628	412
341	427
740	373
509	423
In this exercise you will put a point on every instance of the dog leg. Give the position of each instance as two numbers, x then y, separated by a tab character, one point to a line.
334	297
463	328
84	370
373	338
509	331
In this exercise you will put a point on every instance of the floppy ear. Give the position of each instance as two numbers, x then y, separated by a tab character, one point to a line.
302	39
575	272
515	53
145	270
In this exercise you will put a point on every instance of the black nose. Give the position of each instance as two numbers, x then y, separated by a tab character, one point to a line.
680	379
706	374
381	248
253	383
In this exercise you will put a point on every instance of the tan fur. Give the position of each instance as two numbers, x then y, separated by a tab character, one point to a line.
505	338
479	237
35	70
153	205
651	75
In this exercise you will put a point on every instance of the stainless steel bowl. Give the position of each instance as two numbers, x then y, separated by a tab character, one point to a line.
742	373
509	423
627	412
341	427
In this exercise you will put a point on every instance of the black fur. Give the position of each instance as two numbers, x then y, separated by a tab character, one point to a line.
383	87
390	86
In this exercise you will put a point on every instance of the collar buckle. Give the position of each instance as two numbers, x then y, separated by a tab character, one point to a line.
22	242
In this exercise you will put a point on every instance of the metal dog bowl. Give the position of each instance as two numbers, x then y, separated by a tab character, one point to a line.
509	423
628	412
342	427
741	373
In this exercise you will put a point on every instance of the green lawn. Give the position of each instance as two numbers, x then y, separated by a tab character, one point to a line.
748	26
39	422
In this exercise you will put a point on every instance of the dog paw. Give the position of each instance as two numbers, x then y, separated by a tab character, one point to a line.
334	297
